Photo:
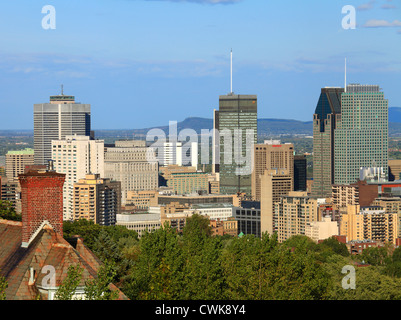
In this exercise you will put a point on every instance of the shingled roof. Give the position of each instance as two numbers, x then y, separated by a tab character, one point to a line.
23	266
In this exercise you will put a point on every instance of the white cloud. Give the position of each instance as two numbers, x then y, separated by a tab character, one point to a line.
366	6
388	6
374	23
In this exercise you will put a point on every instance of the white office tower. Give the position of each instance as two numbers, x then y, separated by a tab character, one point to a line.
55	120
178	153
76	156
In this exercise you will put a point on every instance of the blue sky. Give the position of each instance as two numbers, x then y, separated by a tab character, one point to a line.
143	63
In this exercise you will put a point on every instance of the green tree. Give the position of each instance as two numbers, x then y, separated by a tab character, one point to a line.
156	271
376	256
68	287
7	211
393	264
335	246
87	229
3	287
99	288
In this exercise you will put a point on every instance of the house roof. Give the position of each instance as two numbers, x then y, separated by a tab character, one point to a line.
23	267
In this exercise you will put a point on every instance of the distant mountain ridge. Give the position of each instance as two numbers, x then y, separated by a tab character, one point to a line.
266	127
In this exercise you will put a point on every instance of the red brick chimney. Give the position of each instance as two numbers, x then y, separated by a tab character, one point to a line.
42	202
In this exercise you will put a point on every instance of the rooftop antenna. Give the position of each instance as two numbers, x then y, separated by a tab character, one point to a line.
231	71
62	90
345	75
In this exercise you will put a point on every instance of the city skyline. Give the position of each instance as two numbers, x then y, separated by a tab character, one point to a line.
173	57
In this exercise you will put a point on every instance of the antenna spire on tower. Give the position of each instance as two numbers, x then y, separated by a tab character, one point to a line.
231	71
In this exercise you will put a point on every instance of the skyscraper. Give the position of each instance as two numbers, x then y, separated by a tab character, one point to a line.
271	155
55	120
76	156
327	111
236	123
361	135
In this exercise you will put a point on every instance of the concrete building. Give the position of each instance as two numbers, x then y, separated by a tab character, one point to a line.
76	156
215	211
236	125
97	199
189	182
167	171
272	155
361	135
360	193
321	230
224	227
327	111
9	191
390	205
369	223
55	120
181	154
274	185
16	162
135	166
214	183
294	212
140	199
139	222
161	199
394	169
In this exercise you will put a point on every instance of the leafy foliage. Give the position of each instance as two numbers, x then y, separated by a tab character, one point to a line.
164	264
7	211
3	287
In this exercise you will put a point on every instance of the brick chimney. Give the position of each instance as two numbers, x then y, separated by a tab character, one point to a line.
41	201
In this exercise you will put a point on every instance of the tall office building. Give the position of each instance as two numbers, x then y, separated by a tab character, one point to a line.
16	162
327	111
76	156
361	135
134	164
236	124
271	155
55	120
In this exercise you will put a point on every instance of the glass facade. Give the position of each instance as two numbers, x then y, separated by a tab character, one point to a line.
361	136
237	125
328	109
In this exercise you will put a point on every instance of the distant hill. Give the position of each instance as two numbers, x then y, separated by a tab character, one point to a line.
266	127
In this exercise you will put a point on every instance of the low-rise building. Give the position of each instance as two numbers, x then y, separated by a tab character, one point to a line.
321	230
140	222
